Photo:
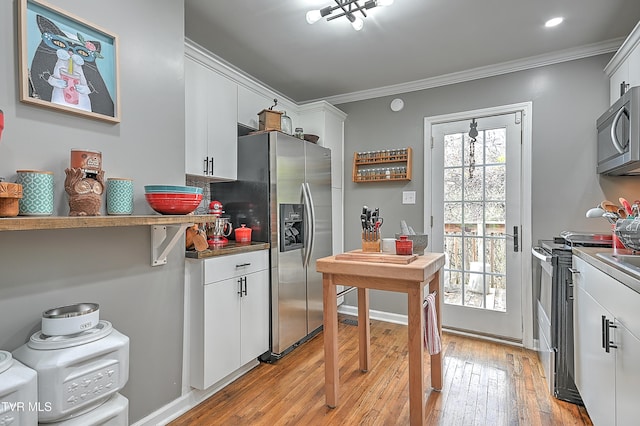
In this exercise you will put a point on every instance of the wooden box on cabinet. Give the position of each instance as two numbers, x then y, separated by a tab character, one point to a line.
269	120
382	166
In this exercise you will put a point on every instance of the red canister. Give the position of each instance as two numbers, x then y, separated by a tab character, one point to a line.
243	234
404	246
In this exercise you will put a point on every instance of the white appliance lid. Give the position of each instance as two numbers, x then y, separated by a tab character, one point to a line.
43	342
6	360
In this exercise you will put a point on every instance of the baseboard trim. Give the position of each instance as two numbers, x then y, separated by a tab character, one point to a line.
186	402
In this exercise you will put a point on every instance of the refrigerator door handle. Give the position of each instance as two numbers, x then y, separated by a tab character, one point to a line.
308	201
313	223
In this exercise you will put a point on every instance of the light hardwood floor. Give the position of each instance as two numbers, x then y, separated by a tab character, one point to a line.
485	383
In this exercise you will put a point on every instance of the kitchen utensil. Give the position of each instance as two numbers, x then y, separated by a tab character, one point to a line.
219	230
610	207
70	319
37	192
10	194
311	138
622	213
166	189
420	242
611	217
404	246
243	234
286	125
595	212
119	196
173	203
626	205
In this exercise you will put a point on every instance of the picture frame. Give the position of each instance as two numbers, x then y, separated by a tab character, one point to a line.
67	63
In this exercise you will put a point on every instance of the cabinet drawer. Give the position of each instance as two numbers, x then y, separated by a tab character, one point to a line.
225	267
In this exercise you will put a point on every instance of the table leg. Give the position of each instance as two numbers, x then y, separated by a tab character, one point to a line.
330	307
416	352
436	360
364	329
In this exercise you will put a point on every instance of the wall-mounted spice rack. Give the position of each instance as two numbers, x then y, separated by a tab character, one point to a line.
382	166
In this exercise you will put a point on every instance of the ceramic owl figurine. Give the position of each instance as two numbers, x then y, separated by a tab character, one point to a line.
85	193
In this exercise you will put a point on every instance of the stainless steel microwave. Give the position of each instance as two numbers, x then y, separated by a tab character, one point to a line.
619	136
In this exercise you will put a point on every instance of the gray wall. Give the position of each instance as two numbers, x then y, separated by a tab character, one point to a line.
567	99
110	266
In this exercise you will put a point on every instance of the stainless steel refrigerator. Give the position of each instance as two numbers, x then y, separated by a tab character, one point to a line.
283	193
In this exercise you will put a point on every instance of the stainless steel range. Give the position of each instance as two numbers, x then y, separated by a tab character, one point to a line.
554	308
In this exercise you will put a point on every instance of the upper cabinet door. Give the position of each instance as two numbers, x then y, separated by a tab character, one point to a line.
211	105
223	127
196	127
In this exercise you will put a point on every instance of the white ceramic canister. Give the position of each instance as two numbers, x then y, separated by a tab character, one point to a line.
37	192
18	392
389	245
119	196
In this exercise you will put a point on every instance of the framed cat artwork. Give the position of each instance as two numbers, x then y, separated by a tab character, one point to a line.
67	63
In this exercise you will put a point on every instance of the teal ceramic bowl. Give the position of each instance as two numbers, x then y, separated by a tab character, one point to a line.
177	189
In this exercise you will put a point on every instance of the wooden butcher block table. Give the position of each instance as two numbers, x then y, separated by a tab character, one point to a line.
406	274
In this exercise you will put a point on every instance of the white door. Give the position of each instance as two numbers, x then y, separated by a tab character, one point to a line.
476	221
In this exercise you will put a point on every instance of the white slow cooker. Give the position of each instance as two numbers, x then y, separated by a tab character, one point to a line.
18	392
76	373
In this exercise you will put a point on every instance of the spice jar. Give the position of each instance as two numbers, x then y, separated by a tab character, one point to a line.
299	133
404	246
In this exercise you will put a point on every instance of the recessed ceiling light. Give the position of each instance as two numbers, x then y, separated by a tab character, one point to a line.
553	22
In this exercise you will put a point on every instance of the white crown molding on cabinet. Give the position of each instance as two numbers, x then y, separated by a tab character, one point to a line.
481	72
216	63
624	51
322	106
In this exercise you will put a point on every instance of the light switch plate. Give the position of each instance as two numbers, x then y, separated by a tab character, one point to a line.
408	197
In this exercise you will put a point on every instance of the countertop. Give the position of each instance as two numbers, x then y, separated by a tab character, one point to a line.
231	248
589	255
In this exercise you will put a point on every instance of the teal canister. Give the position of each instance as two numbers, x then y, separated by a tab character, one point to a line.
37	192
119	196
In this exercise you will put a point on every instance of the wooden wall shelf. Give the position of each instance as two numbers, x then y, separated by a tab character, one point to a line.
161	241
382	166
28	223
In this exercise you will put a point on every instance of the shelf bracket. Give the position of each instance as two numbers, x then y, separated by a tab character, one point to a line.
161	245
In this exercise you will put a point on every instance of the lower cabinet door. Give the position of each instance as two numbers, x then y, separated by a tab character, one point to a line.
255	317
595	369
627	376
221	330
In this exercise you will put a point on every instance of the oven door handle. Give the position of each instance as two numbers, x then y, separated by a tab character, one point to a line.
539	254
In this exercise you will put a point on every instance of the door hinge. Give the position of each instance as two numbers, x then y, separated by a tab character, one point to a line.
431	142
432	221
518	117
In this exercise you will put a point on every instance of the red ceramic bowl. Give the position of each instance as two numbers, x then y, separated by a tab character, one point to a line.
173	205
172	196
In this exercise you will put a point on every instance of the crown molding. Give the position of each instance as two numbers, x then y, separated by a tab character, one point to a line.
216	63
322	106
481	72
624	51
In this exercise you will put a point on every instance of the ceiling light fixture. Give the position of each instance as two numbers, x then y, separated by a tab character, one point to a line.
554	22
347	8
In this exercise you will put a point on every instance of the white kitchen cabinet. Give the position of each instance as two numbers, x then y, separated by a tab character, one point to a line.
607	381
229	314
625	65
211	108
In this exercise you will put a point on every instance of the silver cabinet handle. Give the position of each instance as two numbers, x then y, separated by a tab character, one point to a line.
574	271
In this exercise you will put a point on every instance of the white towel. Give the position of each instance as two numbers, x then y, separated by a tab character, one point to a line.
431	336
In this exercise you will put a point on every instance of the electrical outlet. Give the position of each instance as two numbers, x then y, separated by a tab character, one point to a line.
408	197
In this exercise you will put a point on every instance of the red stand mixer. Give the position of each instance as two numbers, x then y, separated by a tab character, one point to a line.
220	228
